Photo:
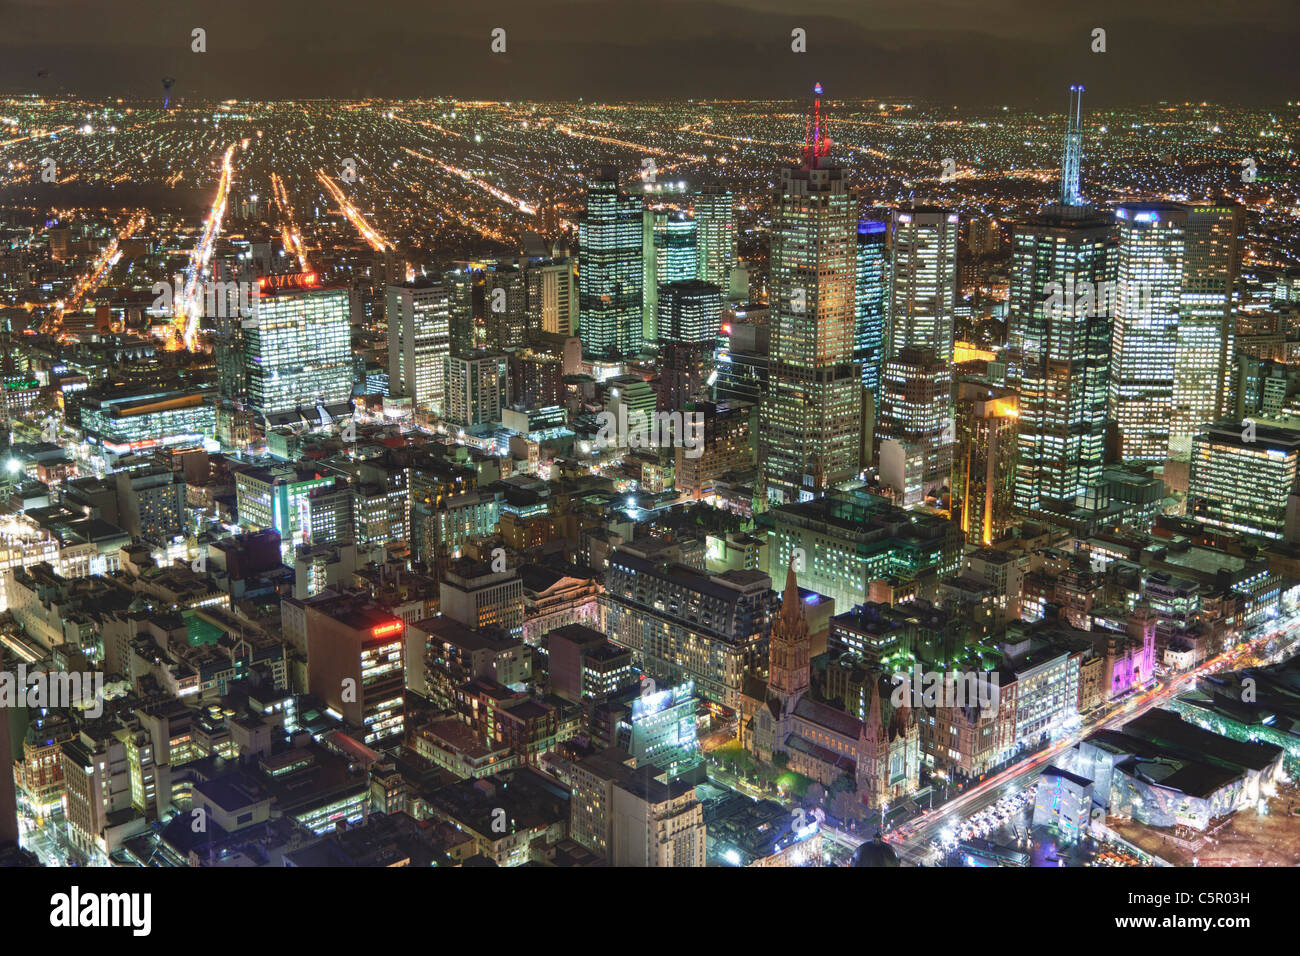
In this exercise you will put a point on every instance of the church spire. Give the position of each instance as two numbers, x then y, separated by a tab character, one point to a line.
873	728
789	645
791	606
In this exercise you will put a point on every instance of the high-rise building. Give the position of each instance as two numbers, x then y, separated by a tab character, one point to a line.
478	388
505	306
684	372
869	328
676	254
715	218
633	393
983	463
810	420
1059	352
914	426
382	506
1203	362
610	271
689	314
664	729
923	280
552	288
466	308
298	350
1244	479
536	378
669	255
631	818
1059	339
727	445
419	340
1152	259
151	503
744	361
228	351
282	497
97	782
689	311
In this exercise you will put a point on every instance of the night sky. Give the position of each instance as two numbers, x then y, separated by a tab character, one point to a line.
995	52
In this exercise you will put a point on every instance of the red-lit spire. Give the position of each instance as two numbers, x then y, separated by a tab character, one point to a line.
815	141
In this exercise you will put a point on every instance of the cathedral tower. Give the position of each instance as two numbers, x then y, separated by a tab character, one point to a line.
788	648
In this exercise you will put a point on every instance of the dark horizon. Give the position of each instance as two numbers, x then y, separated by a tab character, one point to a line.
999	52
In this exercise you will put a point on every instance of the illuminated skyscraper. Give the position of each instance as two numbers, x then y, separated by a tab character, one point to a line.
983	464
610	270
1059	316
869	328
923	280
915	425
478	388
715	218
552	297
1059	352
809	433
419	340
465	284
505	308
676	248
669	254
1203	363
727	445
298	349
1152	257
689	313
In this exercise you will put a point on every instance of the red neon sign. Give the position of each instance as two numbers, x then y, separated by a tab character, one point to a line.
297	280
385	630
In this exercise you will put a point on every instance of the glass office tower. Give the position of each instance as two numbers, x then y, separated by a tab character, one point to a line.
810	420
298	350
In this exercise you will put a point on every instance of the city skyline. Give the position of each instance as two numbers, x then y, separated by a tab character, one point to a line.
604	478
